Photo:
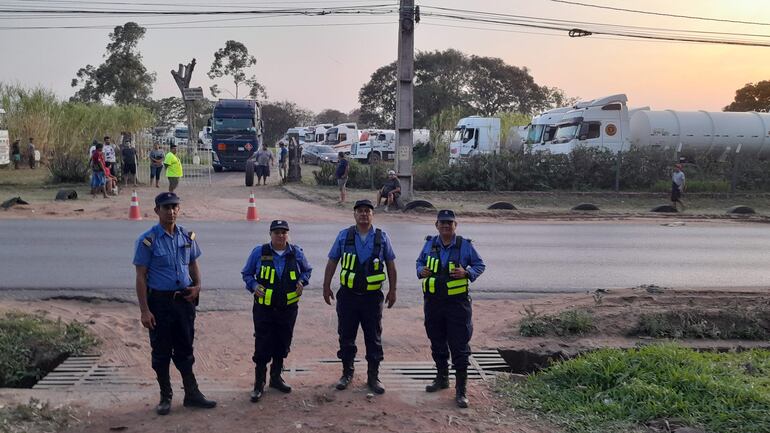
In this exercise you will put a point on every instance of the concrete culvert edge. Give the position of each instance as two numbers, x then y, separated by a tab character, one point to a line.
501	205
586	206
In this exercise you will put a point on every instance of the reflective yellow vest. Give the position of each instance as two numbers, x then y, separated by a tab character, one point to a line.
440	283
283	290
362	277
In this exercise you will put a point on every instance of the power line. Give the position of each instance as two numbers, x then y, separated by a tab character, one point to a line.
166	27
298	11
662	14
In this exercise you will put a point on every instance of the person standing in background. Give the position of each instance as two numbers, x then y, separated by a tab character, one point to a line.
31	152
156	164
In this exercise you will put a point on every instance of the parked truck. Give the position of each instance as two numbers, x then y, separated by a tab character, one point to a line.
317	134
341	137
607	122
381	145
236	133
475	136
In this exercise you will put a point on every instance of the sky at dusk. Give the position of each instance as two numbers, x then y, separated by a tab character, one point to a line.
322	62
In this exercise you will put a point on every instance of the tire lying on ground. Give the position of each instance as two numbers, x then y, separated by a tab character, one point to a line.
67	194
664	208
418	204
586	206
741	210
501	205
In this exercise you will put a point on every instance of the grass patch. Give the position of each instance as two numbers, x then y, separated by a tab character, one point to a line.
698	324
24	176
613	390
35	417
570	322
32	345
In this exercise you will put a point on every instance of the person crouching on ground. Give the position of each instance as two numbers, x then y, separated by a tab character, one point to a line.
275	274
390	190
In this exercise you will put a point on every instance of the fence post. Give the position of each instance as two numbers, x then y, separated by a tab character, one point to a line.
617	172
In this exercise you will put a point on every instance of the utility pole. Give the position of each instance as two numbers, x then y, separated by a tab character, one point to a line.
182	78
404	96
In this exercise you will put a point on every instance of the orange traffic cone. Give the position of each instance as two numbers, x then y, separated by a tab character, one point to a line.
133	212
251	213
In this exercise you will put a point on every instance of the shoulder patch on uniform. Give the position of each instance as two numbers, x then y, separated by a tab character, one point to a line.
147	241
191	235
428	238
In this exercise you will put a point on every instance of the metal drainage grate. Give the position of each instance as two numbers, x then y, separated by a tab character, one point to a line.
85	371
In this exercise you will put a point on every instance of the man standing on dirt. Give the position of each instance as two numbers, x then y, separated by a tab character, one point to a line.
275	274
677	186
283	161
366	253
264	160
109	155
156	164
168	284
31	152
343	168
446	265
129	162
173	168
15	154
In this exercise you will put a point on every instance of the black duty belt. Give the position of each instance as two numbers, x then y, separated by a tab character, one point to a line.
169	294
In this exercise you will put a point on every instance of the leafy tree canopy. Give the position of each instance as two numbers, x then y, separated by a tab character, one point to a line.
122	77
451	79
280	116
171	111
332	116
751	97
233	61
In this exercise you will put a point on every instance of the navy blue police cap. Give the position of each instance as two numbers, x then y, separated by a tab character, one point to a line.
445	215
166	198
364	202
279	225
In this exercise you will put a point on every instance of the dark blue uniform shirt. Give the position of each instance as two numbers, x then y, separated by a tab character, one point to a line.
167	259
254	262
364	247
469	258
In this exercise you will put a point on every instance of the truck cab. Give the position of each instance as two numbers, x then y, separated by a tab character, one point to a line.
475	136
341	137
601	123
543	127
236	133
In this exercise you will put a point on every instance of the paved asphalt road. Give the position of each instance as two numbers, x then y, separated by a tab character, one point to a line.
79	257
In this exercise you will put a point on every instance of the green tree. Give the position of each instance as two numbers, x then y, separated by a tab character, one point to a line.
332	116
171	111
233	60
122	77
452	80
280	116
752	97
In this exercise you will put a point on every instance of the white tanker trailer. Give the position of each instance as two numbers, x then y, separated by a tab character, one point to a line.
607	122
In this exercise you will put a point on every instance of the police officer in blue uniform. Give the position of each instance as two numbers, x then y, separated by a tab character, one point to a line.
275	274
168	283
366	255
446	266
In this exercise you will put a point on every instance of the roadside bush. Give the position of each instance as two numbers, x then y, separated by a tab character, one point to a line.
697	324
31	345
619	391
570	322
68	168
362	176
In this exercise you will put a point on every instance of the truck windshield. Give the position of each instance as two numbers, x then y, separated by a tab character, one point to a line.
332	137
224	124
566	133
463	134
310	137
535	134
181	133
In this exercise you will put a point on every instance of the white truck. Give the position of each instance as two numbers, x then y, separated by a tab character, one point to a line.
5	143
381	145
607	122
342	137
317	134
475	136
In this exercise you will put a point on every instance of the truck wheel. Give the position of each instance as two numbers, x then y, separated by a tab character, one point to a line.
249	173
374	158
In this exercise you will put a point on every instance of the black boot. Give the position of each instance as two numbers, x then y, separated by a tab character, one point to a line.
276	381
193	397
373	379
347	375
259	382
441	381
164	406
461	380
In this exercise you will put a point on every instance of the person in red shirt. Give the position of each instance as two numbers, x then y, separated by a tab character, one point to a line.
98	171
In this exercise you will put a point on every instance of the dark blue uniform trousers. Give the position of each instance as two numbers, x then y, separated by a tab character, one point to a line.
354	310
172	338
273	331
449	327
